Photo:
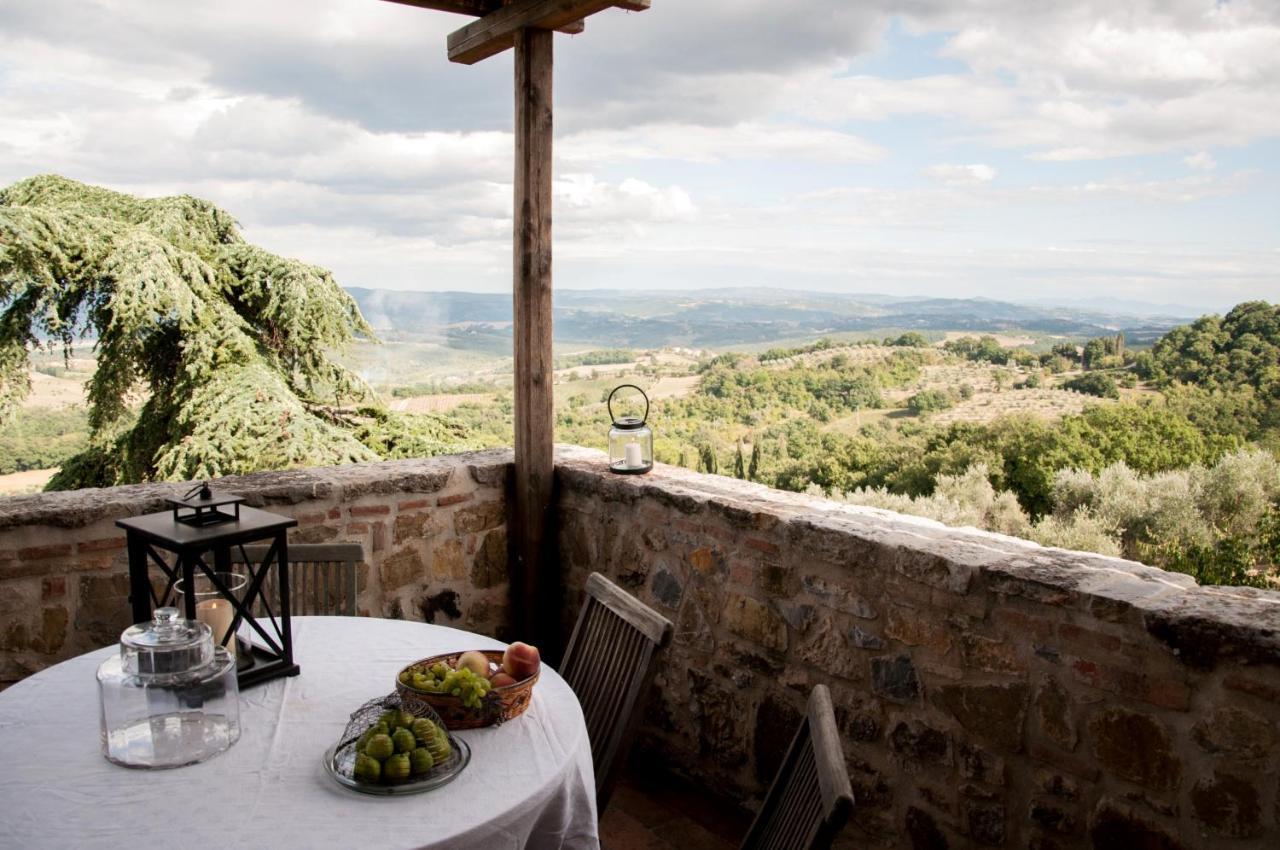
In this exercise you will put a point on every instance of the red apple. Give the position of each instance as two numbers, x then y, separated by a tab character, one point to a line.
521	661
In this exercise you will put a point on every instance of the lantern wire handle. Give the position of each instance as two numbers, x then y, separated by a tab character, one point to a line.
202	488
643	395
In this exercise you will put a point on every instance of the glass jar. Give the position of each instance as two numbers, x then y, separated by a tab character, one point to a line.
170	697
630	438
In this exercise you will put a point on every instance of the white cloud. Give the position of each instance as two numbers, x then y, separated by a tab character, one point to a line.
961	175
1202	161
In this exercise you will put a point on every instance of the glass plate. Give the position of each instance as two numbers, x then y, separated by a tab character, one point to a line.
339	767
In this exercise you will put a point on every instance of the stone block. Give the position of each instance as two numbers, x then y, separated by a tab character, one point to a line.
995	712
755	621
409	527
1136	747
480	517
1116	826
826	649
102	609
980	765
923	831
1228	805
667	589
918	628
985	822
447	561
920	743
1053	708
865	639
894	677
1237	733
837	596
401	568
1052	816
490	568
989	655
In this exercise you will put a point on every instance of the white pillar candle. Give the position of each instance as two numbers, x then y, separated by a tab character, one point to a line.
634	458
217	614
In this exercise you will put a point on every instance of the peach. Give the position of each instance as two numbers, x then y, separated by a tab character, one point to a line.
521	661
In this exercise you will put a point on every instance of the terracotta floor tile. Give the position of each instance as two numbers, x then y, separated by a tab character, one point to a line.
620	831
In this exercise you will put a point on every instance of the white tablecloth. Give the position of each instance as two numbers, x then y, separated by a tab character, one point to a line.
530	781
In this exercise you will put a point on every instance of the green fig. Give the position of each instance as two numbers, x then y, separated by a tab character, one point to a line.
380	746
381	729
439	746
367	769
397	768
404	740
421	760
423	729
404	719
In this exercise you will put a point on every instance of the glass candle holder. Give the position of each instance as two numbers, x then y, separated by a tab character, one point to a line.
212	607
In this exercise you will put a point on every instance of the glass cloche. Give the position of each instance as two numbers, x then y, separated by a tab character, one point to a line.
170	697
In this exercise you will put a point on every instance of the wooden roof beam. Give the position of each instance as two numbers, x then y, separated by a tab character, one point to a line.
478	9
495	32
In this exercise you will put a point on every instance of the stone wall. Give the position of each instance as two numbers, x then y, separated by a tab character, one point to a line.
990	692
434	534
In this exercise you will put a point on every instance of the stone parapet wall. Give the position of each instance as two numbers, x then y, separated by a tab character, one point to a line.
434	534
990	692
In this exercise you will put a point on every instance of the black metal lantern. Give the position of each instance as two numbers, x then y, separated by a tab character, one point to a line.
253	604
630	438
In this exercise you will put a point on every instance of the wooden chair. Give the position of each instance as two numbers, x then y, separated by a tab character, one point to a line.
810	798
322	576
608	663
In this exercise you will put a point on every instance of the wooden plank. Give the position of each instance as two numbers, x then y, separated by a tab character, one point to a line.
496	31
536	583
641	617
475	8
478	9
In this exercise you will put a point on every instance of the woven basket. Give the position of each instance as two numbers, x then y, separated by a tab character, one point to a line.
512	700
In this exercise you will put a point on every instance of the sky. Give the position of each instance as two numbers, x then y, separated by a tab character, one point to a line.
1077	150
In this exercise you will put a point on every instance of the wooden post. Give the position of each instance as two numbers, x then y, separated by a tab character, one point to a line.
535	581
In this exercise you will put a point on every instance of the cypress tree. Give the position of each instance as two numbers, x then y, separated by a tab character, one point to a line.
739	464
753	470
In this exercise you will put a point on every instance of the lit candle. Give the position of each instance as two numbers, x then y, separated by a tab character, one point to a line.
634	459
217	614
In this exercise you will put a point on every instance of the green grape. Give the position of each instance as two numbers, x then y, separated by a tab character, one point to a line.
421	760
421	682
404	740
380	746
439	669
397	768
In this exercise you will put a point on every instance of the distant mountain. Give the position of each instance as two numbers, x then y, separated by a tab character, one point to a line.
719	318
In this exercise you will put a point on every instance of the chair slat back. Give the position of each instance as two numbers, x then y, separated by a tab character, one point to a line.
322	577
608	665
811	798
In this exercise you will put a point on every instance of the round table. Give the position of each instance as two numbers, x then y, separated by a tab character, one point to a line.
530	782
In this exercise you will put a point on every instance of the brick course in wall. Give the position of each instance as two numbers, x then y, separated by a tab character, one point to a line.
433	531
990	692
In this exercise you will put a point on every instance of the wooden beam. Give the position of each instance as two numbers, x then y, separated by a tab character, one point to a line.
478	9
536	581
496	31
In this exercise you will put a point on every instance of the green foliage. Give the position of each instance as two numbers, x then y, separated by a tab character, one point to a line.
603	357
229	345
986	349
910	339
1097	384
928	401
42	439
1232	359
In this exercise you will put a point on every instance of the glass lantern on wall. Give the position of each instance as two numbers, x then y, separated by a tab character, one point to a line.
630	438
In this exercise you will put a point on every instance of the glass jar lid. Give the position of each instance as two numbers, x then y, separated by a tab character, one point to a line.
167	646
